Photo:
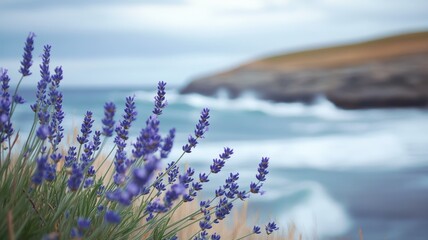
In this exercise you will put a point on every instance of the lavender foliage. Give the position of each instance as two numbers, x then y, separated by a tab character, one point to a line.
70	188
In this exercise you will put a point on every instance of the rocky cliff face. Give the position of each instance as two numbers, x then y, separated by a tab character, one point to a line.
391	72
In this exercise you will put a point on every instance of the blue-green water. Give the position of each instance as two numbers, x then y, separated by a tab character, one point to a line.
332	172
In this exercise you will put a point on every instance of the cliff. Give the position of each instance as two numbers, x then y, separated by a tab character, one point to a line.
388	72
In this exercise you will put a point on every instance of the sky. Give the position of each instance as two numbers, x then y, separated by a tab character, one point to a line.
128	43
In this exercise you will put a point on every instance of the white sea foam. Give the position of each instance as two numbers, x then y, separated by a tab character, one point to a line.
249	102
318	215
374	150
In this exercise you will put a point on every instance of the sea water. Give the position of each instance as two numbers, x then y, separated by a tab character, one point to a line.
332	172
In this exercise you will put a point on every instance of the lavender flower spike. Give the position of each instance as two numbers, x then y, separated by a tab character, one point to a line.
76	177
86	128
168	142
200	129
27	60
38	175
160	102
4	80
129	116
271	227
57	77
108	120
261	176
112	217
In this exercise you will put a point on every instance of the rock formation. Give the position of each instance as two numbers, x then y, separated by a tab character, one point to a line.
389	72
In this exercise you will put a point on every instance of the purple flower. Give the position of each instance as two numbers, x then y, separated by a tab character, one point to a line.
174	193
172	173
230	186
133	189
4	79
44	67
76	177
71	157
119	178
57	77
112	217
201	128
100	208
186	178
129	116
242	195
86	128
6	129
88	182
140	179
203	177
159	185
204	204
56	157
41	166
148	142
55	100
43	132
27	60
160	102
202	236
100	190
271	227
108	120
215	236
203	123
50	172
97	141
18	99
91	171
255	188
75	233
191	144
218	164
256	230
43	83
205	223
261	176
226	154
154	207
219	192
197	186
142	175
83	223
167	144
223	208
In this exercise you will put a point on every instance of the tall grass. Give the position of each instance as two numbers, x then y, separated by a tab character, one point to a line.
81	189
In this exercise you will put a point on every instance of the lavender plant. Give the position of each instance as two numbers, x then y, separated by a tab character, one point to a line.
54	191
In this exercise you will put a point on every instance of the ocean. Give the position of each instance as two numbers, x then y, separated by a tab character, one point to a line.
332	172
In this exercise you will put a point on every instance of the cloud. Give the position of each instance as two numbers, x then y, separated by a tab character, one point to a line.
194	16
146	29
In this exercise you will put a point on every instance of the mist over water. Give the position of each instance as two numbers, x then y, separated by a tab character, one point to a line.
332	171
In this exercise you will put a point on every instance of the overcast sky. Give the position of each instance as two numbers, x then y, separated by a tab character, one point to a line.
105	42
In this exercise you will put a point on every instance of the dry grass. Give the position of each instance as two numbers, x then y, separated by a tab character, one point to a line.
380	49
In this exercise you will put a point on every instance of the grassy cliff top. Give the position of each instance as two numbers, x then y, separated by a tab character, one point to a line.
344	55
